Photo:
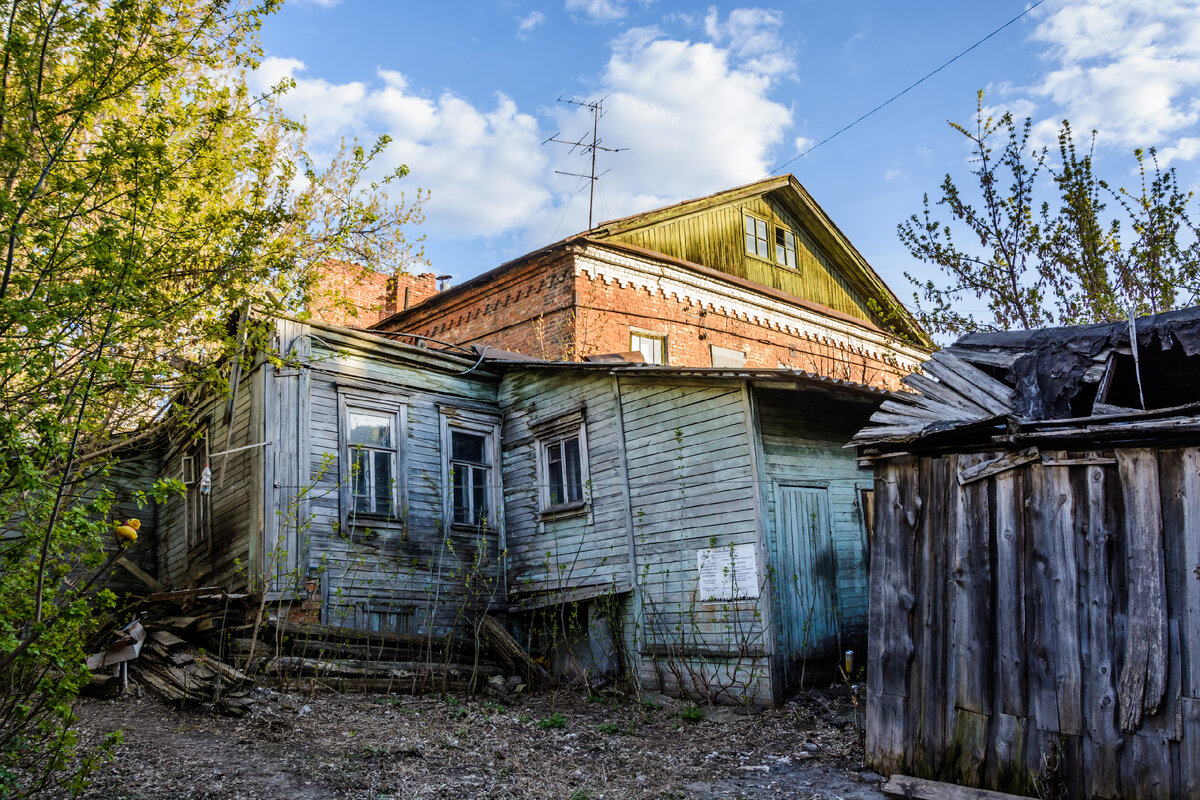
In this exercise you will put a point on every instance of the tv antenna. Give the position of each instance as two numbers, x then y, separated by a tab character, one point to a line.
585	147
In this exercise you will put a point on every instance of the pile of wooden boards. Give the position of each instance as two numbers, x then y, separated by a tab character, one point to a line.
209	646
174	648
306	654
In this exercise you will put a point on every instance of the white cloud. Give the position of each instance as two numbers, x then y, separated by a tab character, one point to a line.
1185	149
753	37
802	144
483	167
598	11
526	24
1127	68
695	116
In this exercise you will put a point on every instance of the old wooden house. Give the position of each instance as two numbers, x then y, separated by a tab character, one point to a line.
1035	600
698	528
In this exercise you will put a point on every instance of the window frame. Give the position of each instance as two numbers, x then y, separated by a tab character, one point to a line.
765	240
792	252
639	333
397	412
197	506
554	431
476	423
715	350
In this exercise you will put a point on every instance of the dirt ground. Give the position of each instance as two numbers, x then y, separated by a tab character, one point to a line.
294	746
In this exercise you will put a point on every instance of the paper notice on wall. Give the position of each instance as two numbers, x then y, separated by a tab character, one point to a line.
727	573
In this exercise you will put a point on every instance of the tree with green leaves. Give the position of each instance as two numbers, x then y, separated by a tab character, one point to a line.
147	193
1041	240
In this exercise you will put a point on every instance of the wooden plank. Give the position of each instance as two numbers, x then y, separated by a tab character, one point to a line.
1055	680
1005	758
885	731
905	787
938	392
151	583
1143	676
1189	613
994	466
1104	741
972	384
927	683
1189	749
1010	621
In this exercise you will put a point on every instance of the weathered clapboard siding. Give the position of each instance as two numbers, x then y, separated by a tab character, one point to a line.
221	561
692	486
715	238
1044	609
564	553
417	569
803	437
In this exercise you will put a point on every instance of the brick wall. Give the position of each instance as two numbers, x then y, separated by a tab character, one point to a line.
528	309
358	297
607	313
563	308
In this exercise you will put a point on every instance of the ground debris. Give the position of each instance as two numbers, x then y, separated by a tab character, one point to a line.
557	744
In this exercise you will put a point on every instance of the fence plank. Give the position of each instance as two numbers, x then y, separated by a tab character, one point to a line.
1104	739
1143	677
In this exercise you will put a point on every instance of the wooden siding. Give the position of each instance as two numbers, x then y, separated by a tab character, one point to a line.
572	553
426	574
222	561
803	443
715	238
693	486
1039	626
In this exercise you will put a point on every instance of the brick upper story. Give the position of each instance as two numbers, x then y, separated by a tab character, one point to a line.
581	298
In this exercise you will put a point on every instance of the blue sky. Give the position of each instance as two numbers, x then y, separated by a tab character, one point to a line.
710	97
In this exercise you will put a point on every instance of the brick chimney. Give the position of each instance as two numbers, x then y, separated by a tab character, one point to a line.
358	297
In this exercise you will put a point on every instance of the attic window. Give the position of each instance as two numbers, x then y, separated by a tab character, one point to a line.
785	248
652	346
756	237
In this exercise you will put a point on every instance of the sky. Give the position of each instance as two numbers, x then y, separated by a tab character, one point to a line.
702	98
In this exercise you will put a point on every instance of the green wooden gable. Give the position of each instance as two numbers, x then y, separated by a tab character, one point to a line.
772	233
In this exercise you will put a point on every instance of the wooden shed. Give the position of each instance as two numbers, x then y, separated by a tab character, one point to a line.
1035	577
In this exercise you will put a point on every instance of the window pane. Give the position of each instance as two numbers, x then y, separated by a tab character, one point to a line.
479	509
572	469
383	482
460	476
370	429
751	243
360	480
468	447
554	473
761	229
749	225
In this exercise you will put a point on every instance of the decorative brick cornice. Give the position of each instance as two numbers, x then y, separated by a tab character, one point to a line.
688	288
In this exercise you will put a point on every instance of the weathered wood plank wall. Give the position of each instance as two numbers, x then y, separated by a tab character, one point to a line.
715	238
693	485
1038	628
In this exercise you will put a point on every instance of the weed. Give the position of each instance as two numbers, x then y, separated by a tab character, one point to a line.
690	713
555	720
608	727
493	707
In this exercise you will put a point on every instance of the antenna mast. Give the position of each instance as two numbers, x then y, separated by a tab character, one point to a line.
587	148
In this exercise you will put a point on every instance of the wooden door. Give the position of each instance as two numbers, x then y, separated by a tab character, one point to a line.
805	573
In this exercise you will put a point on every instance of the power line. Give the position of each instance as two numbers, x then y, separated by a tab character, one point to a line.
904	91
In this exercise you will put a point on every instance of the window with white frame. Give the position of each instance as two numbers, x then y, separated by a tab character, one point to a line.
785	248
756	236
372	450
562	462
470	444
652	346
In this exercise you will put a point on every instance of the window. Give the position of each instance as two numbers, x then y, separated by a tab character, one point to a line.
756	237
470	442
562	461
785	248
372	450
727	357
470	475
197	476
652	346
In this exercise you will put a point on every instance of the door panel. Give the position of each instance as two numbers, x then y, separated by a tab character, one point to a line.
805	572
